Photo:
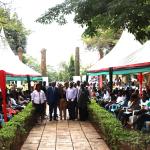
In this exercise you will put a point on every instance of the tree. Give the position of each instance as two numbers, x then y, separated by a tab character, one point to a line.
17	34
34	64
104	40
66	70
14	29
71	68
52	74
31	62
104	14
63	73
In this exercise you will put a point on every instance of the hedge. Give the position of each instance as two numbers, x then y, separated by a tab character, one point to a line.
14	132
113	133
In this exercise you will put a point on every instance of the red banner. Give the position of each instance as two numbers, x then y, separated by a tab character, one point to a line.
140	78
100	81
3	89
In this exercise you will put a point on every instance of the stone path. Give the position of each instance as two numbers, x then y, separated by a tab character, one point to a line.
64	135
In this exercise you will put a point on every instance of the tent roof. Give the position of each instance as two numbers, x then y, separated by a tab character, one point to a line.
10	63
139	58
125	46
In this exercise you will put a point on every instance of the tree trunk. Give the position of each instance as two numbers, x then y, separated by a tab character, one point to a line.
101	53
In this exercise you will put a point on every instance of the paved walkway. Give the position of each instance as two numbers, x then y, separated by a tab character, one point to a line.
64	135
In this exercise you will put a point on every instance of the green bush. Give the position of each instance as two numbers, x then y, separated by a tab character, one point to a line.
113	133
14	132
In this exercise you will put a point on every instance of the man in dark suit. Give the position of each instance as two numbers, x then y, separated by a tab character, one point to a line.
52	100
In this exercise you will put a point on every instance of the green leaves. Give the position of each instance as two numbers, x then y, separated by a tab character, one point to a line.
112	130
31	62
16	127
56	13
14	29
95	14
105	39
66	71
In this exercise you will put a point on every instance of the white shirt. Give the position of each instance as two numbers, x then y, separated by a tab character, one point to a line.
106	96
78	89
120	99
97	94
13	102
144	104
38	97
71	93
130	103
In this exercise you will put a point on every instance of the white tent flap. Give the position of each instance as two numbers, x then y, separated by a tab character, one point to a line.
125	46
141	57
10	63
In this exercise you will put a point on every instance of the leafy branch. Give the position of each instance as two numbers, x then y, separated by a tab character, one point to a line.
104	14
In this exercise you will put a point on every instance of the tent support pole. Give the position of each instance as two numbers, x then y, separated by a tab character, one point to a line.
100	81
87	78
29	84
111	79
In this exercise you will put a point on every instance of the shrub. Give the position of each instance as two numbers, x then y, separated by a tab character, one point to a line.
113	133
14	132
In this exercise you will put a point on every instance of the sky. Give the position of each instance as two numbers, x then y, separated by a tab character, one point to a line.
59	41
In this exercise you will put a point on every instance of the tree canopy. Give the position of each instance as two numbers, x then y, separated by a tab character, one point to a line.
66	70
104	14
31	62
34	64
14	29
103	41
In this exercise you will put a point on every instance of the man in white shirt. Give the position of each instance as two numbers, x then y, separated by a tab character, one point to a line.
39	100
71	94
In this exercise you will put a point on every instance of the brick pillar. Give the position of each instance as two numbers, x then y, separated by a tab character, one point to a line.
20	52
77	62
43	62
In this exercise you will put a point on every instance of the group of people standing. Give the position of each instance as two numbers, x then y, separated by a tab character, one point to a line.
70	96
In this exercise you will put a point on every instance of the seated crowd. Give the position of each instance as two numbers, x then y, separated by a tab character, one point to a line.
16	100
131	108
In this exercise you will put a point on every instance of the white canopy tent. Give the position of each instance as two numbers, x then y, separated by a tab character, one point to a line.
139	58
10	63
125	46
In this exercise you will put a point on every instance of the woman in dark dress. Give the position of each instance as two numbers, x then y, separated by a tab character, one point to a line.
82	103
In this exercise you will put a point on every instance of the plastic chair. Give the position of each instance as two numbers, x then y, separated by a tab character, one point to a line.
133	117
113	107
148	105
9	116
147	125
1	120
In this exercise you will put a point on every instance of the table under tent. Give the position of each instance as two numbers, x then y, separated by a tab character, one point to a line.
11	68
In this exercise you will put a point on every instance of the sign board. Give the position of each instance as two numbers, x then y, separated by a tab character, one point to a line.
76	78
83	78
45	79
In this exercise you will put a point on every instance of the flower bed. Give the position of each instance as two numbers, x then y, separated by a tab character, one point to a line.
113	133
14	132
